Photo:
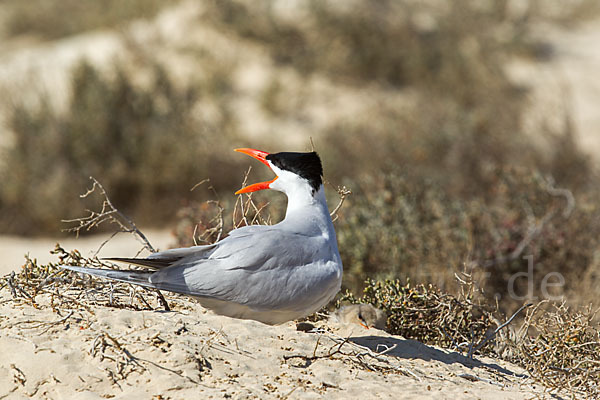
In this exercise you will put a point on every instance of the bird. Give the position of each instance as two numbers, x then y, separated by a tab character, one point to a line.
268	273
363	314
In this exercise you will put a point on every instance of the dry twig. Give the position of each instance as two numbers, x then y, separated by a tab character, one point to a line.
493	334
344	192
108	213
111	214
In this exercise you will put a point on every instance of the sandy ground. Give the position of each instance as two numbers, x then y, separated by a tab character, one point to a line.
189	353
14	248
96	351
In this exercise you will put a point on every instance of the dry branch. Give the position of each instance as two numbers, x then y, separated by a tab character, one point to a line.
108	213
356	354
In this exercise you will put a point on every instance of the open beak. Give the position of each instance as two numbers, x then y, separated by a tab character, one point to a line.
260	156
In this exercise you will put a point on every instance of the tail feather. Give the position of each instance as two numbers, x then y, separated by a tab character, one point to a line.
141	278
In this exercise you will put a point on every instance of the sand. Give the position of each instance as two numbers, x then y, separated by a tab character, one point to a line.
191	353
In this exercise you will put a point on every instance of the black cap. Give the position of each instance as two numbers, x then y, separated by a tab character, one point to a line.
306	165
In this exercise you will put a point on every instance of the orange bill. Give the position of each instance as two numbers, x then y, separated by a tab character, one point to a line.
260	156
256	186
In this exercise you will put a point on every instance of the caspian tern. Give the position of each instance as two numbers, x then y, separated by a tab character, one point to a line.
268	273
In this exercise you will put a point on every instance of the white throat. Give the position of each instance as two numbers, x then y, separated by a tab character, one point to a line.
302	199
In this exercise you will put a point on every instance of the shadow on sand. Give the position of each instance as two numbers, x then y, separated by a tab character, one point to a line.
411	349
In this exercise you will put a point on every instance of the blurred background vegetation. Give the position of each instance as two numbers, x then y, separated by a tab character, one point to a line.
409	103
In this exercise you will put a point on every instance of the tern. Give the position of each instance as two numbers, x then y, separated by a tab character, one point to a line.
268	273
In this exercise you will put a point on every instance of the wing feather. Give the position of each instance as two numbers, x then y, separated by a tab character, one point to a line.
146	262
168	258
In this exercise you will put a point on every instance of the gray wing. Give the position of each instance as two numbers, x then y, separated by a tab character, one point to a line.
262	267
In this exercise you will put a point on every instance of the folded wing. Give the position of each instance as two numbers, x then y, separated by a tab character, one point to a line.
239	270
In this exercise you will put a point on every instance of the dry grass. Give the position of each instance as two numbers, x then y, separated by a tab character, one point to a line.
205	222
74	292
560	347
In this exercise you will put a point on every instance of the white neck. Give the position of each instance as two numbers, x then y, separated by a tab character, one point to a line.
309	214
299	200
